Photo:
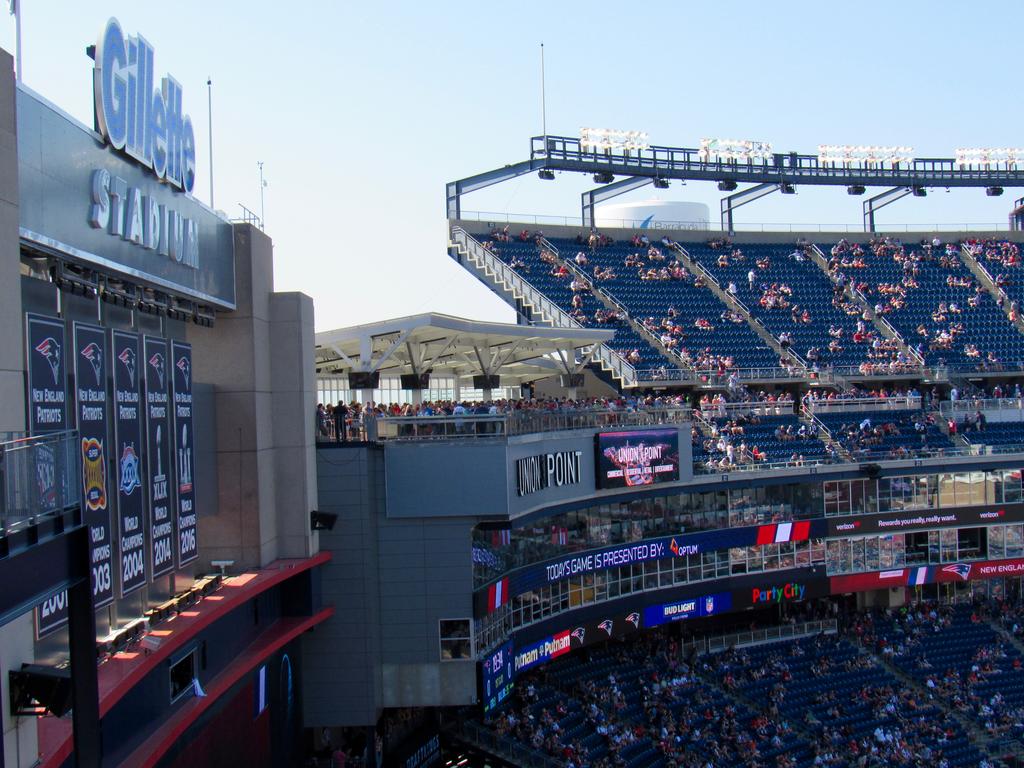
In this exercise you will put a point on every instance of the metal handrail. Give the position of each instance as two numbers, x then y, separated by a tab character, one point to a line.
535	299
947	408
854	405
39	477
771	634
447	427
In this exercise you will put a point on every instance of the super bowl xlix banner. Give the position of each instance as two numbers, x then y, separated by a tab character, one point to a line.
124	362
159	470
91	417
184	442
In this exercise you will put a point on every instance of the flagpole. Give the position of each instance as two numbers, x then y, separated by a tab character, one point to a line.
543	101
209	104
16	10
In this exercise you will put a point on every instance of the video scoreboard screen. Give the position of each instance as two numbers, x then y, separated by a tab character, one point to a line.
498	673
636	458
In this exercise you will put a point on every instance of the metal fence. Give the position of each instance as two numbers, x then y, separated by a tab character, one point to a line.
770	634
859	405
515	423
39	476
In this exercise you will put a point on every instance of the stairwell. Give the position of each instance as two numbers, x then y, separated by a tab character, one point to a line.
824	433
673	358
975	734
989	284
883	326
520	295
730	301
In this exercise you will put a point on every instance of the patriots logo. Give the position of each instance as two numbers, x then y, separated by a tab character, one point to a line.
94	355
127	358
157	363
963	570
606	625
186	369
634	619
50	350
579	633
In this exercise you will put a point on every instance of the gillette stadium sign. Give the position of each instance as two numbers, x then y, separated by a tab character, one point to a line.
137	117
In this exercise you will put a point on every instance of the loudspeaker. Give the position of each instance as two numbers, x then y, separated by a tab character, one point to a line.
35	688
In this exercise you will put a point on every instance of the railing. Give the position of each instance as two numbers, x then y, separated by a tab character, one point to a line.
761	408
506	747
771	634
550	312
248	217
857	405
516	423
1004	404
505	217
712	376
39	476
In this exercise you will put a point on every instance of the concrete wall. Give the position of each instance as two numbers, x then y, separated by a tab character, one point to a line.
391	582
16	638
259	361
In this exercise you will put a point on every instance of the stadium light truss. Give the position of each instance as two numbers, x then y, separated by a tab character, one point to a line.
849	156
986	157
734	151
609	140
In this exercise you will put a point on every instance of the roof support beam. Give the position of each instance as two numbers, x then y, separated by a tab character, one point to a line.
456	189
881	200
590	199
744	196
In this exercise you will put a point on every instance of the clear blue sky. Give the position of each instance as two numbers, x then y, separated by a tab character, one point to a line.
362	112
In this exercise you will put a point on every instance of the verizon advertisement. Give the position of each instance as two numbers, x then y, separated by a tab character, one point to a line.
923	519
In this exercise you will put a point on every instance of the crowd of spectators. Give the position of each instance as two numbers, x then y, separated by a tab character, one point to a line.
826	700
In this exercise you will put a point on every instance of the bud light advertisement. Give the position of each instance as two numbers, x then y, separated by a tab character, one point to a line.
637	458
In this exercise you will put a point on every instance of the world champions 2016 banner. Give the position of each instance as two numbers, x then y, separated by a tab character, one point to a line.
158	455
184	438
127	454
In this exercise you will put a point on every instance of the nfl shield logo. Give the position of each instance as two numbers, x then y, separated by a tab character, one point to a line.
709	605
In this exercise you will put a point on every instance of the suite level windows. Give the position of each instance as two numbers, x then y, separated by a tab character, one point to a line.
456	639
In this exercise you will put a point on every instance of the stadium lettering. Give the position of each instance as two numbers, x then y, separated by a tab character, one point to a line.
535	473
634	553
137	118
126	212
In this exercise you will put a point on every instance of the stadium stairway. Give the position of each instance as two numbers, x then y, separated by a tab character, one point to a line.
882	325
985	278
975	734
713	285
528	301
610	303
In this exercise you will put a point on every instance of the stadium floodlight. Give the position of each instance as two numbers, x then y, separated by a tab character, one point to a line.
855	189
547	174
734	151
609	140
660	183
850	155
989	157
726	186
920	192
993	191
603	177
787	189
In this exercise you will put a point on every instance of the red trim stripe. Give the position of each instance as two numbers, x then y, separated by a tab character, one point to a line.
802	530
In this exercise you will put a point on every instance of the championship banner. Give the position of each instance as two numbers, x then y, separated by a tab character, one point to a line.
158	457
184	443
46	366
124	362
91	416
47	375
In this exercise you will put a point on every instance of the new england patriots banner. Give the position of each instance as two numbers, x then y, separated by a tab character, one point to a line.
46	364
91	418
127	453
47	374
184	443
158	457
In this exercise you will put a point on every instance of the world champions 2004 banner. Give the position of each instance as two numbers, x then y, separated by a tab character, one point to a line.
184	438
127	453
158	443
